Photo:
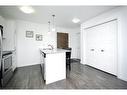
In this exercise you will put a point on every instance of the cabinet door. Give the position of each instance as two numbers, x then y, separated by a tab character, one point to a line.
14	65
62	40
55	67
101	47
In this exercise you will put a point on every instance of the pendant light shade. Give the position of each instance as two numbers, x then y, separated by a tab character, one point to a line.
53	26
49	26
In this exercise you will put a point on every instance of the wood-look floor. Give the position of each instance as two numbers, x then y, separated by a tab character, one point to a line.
80	77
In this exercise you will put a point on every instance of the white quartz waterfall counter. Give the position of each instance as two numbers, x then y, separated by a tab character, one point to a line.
54	65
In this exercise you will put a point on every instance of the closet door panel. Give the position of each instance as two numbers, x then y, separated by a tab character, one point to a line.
101	47
91	49
108	47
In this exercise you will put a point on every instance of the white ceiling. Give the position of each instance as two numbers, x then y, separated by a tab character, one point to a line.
64	14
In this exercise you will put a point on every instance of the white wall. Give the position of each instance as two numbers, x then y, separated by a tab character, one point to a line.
28	48
121	15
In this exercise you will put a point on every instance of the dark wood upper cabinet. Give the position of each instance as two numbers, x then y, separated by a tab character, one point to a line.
62	40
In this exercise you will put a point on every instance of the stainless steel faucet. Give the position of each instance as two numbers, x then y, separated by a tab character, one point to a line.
51	46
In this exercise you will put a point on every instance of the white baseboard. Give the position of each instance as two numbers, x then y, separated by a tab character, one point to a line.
28	65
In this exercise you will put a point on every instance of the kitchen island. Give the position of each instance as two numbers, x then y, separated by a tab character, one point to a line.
54	65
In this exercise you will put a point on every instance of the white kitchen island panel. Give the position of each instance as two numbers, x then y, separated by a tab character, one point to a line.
55	67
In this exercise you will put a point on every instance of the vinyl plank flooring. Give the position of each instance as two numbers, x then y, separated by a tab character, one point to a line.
80	77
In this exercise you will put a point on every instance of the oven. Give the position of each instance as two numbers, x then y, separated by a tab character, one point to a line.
6	68
6	63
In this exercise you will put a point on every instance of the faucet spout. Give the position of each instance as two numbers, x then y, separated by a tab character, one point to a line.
51	47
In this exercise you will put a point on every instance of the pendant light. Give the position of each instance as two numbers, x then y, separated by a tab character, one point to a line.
52	28
53	25
49	26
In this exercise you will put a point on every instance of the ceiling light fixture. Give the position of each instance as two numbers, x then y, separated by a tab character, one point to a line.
27	9
75	20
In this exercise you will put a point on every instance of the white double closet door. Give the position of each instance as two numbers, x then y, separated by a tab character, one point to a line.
101	46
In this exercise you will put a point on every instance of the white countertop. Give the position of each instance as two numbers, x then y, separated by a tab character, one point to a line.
54	51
